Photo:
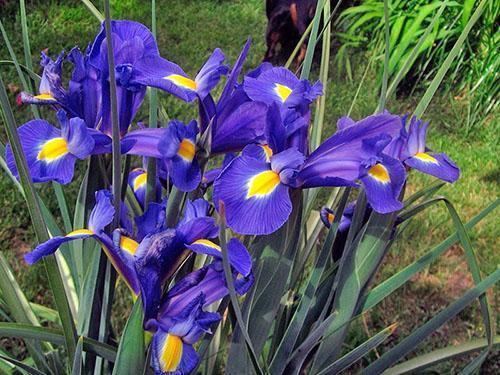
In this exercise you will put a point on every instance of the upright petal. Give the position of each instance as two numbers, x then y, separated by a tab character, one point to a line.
210	73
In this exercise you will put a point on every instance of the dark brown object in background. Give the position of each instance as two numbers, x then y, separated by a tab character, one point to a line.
287	22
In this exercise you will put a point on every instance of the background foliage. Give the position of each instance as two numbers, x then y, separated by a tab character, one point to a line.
470	94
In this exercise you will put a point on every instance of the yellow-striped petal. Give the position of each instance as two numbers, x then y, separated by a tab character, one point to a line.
128	244
263	184
207	243
53	149
171	353
186	150
79	232
426	158
379	173
140	181
181	81
282	91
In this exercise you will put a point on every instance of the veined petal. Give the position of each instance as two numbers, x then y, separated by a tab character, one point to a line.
50	247
239	257
210	73
165	75
103	212
46	151
143	142
250	186
383	182
435	164
171	355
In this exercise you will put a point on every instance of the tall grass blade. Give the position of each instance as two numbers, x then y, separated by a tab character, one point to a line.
54	336
422	362
289	339
116	151
387	287
93	10
385	76
153	123
356	354
22	366
131	351
232	292
306	65
55	280
77	362
429	94
409	343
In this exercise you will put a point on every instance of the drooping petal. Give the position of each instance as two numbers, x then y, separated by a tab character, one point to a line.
239	257
435	164
383	182
171	355
50	247
250	186
46	151
74	130
143	142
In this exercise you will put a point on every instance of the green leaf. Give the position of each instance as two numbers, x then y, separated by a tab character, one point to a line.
232	292
55	279
311	45
387	287
131	351
359	264
77	362
429	94
359	352
416	365
55	336
409	343
93	10
22	366
288	341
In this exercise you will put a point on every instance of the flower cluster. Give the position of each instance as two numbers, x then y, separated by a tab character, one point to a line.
259	123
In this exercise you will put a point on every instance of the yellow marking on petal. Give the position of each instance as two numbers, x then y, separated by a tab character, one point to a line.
268	152
282	91
207	243
128	244
426	158
79	232
330	217
140	181
379	172
171	353
181	81
44	97
263	184
186	150
53	149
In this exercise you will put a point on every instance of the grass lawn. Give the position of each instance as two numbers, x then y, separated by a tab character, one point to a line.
188	31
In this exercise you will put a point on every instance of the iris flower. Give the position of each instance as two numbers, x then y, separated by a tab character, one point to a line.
155	71
51	152
181	319
101	216
414	153
258	181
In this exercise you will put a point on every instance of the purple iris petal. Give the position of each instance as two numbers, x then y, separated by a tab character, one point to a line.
383	180
239	257
243	188
84	88
80	142
197	208
152	220
210	73
143	142
290	158
188	361
103	211
197	228
239	124
155	71
437	165
232	79
46	152
178	148
50	247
